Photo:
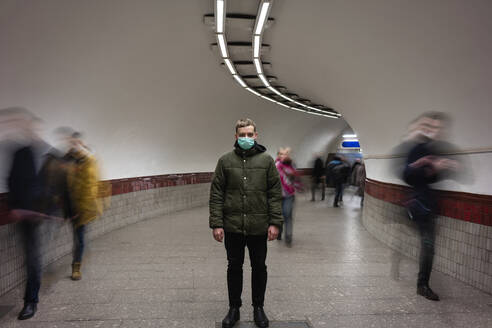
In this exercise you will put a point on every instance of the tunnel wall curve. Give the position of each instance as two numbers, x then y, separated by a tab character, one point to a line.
133	200
463	245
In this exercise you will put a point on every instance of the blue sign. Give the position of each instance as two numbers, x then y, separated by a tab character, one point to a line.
350	144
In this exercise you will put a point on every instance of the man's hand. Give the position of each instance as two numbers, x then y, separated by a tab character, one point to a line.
218	234
272	232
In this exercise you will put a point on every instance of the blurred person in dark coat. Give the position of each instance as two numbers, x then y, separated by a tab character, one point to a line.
318	178
338	170
26	196
427	163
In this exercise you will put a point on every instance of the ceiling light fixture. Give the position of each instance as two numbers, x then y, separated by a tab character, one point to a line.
219	17
264	80
229	65
256	46
222	45
263	15
261	19
253	92
350	136
240	81
259	68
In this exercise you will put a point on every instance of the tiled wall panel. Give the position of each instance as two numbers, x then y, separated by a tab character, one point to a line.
463	244
133	200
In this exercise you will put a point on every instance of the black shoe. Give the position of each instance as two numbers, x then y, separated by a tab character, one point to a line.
279	237
260	317
231	318
427	293
335	205
28	311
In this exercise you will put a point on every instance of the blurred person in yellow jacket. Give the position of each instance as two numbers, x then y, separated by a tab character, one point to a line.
83	204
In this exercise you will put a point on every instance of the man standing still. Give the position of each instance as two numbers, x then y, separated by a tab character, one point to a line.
245	211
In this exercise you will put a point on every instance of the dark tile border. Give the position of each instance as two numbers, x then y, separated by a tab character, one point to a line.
464	206
128	185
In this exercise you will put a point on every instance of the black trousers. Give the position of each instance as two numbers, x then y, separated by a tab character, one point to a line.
31	239
426	227
315	184
257	246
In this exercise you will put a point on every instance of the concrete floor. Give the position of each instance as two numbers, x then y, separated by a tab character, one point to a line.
169	272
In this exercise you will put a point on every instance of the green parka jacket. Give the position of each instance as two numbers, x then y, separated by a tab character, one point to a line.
246	194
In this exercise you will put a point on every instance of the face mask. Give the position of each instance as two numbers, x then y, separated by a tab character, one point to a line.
246	143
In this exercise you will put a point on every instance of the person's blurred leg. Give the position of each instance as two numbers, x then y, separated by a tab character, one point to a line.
426	226
323	187
30	231
79	245
287	208
314	186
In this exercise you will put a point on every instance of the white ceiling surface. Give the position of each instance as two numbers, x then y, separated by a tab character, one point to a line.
382	62
139	78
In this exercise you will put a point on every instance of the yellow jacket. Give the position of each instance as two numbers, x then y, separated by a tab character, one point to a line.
83	185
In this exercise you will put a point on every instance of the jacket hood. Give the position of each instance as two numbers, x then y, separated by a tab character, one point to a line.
256	149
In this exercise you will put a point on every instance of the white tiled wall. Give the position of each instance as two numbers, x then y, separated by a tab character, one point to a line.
125	209
463	250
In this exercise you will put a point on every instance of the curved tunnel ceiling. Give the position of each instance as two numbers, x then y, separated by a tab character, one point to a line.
245	59
381	63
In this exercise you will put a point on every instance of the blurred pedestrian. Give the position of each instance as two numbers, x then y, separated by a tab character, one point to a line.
338	171
289	179
83	204
358	179
426	164
25	197
318	178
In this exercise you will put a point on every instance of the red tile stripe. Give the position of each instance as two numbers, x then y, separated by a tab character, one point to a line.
457	205
127	185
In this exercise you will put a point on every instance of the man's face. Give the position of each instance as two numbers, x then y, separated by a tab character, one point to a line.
430	128
246	132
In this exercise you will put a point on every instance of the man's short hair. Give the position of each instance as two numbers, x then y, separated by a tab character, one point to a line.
244	122
438	116
68	132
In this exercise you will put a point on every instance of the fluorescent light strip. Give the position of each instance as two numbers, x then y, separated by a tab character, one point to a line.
256	46
274	90
350	136
264	80
296	102
240	81
259	68
219	19
253	92
222	45
263	16
269	99
229	65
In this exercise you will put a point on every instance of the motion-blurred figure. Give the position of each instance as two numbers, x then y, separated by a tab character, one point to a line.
25	197
426	163
290	182
358	179
82	204
318	178
338	171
